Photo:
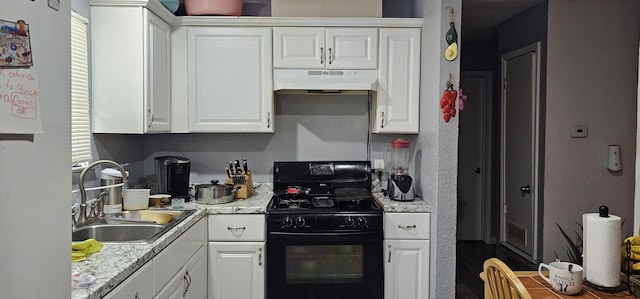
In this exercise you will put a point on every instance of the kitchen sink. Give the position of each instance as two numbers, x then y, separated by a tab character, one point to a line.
128	227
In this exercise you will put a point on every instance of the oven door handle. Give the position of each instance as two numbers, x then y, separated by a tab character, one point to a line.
324	234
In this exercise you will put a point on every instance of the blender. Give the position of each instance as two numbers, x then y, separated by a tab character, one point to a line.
400	185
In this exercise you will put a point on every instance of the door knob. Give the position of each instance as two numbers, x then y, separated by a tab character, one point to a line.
477	170
525	189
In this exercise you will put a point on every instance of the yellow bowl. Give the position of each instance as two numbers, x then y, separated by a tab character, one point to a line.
158	217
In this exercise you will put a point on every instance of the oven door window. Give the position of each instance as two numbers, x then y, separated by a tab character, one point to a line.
324	264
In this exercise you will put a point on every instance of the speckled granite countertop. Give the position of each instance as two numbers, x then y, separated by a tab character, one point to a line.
116	262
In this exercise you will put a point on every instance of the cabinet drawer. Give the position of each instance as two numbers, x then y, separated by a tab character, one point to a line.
138	285
236	227
407	226
168	262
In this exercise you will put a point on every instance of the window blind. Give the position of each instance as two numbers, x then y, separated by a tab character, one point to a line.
80	119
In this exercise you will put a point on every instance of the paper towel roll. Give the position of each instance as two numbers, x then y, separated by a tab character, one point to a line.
601	249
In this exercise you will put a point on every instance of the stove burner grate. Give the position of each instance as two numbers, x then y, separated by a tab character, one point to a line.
322	202
294	204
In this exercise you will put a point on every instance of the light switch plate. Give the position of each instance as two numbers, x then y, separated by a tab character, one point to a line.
579	131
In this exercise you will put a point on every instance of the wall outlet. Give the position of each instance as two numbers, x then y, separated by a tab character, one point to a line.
378	164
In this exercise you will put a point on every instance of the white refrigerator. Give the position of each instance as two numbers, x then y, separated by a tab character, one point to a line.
35	169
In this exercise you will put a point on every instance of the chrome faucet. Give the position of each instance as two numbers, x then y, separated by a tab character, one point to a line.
83	217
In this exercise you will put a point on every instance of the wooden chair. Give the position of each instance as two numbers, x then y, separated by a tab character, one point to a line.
500	282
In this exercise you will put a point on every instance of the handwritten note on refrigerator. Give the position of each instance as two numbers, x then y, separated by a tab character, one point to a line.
19	101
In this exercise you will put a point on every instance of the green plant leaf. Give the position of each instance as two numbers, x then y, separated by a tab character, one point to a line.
573	252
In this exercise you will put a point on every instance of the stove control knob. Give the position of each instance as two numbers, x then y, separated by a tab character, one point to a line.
300	221
361	221
350	222
287	222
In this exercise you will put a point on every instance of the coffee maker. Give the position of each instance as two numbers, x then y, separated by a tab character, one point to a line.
400	185
172	176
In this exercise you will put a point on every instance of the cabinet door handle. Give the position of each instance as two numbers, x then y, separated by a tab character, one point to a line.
235	228
389	258
330	56
187	280
381	119
136	296
150	122
406	227
260	256
321	55
269	120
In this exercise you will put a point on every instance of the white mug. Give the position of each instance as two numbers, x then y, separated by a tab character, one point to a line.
564	277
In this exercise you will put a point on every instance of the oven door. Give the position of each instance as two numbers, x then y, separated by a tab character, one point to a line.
324	265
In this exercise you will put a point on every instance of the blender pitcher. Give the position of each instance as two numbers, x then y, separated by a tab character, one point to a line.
400	182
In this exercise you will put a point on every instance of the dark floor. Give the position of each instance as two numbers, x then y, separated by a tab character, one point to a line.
470	256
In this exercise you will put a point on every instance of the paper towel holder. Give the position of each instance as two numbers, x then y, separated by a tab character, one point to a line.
603	211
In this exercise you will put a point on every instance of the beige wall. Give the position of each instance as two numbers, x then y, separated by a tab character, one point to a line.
592	61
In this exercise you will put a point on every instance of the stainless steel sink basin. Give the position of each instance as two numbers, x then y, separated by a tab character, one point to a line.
128	228
117	232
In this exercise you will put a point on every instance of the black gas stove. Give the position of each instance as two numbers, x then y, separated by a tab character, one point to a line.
324	232
323	196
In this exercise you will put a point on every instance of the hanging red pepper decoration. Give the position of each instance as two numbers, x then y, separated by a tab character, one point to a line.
448	102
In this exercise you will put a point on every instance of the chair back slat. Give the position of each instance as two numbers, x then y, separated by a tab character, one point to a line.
501	282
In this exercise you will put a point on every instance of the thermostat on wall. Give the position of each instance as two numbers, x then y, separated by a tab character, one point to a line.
579	131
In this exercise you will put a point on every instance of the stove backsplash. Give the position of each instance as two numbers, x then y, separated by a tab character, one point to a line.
308	128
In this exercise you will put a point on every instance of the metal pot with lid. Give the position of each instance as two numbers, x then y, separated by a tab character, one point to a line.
214	193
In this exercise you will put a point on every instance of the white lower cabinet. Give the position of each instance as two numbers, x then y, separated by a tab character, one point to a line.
236	270
138	286
406	246
179	271
191	281
236	256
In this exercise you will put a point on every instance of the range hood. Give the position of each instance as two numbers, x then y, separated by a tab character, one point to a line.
329	81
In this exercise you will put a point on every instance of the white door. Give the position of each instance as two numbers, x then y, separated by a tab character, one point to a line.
351	48
397	103
298	47
520	73
230	80
406	269
196	275
474	205
236	270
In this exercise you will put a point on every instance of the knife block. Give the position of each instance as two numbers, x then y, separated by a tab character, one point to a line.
246	187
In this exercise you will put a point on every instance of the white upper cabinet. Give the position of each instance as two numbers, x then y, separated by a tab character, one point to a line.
229	79
398	95
130	63
330	48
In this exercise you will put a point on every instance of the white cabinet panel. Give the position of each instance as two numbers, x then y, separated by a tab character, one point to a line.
407	225
236	270
397	104
191	281
330	48
138	286
171	260
230	79
130	71
237	227
406	269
